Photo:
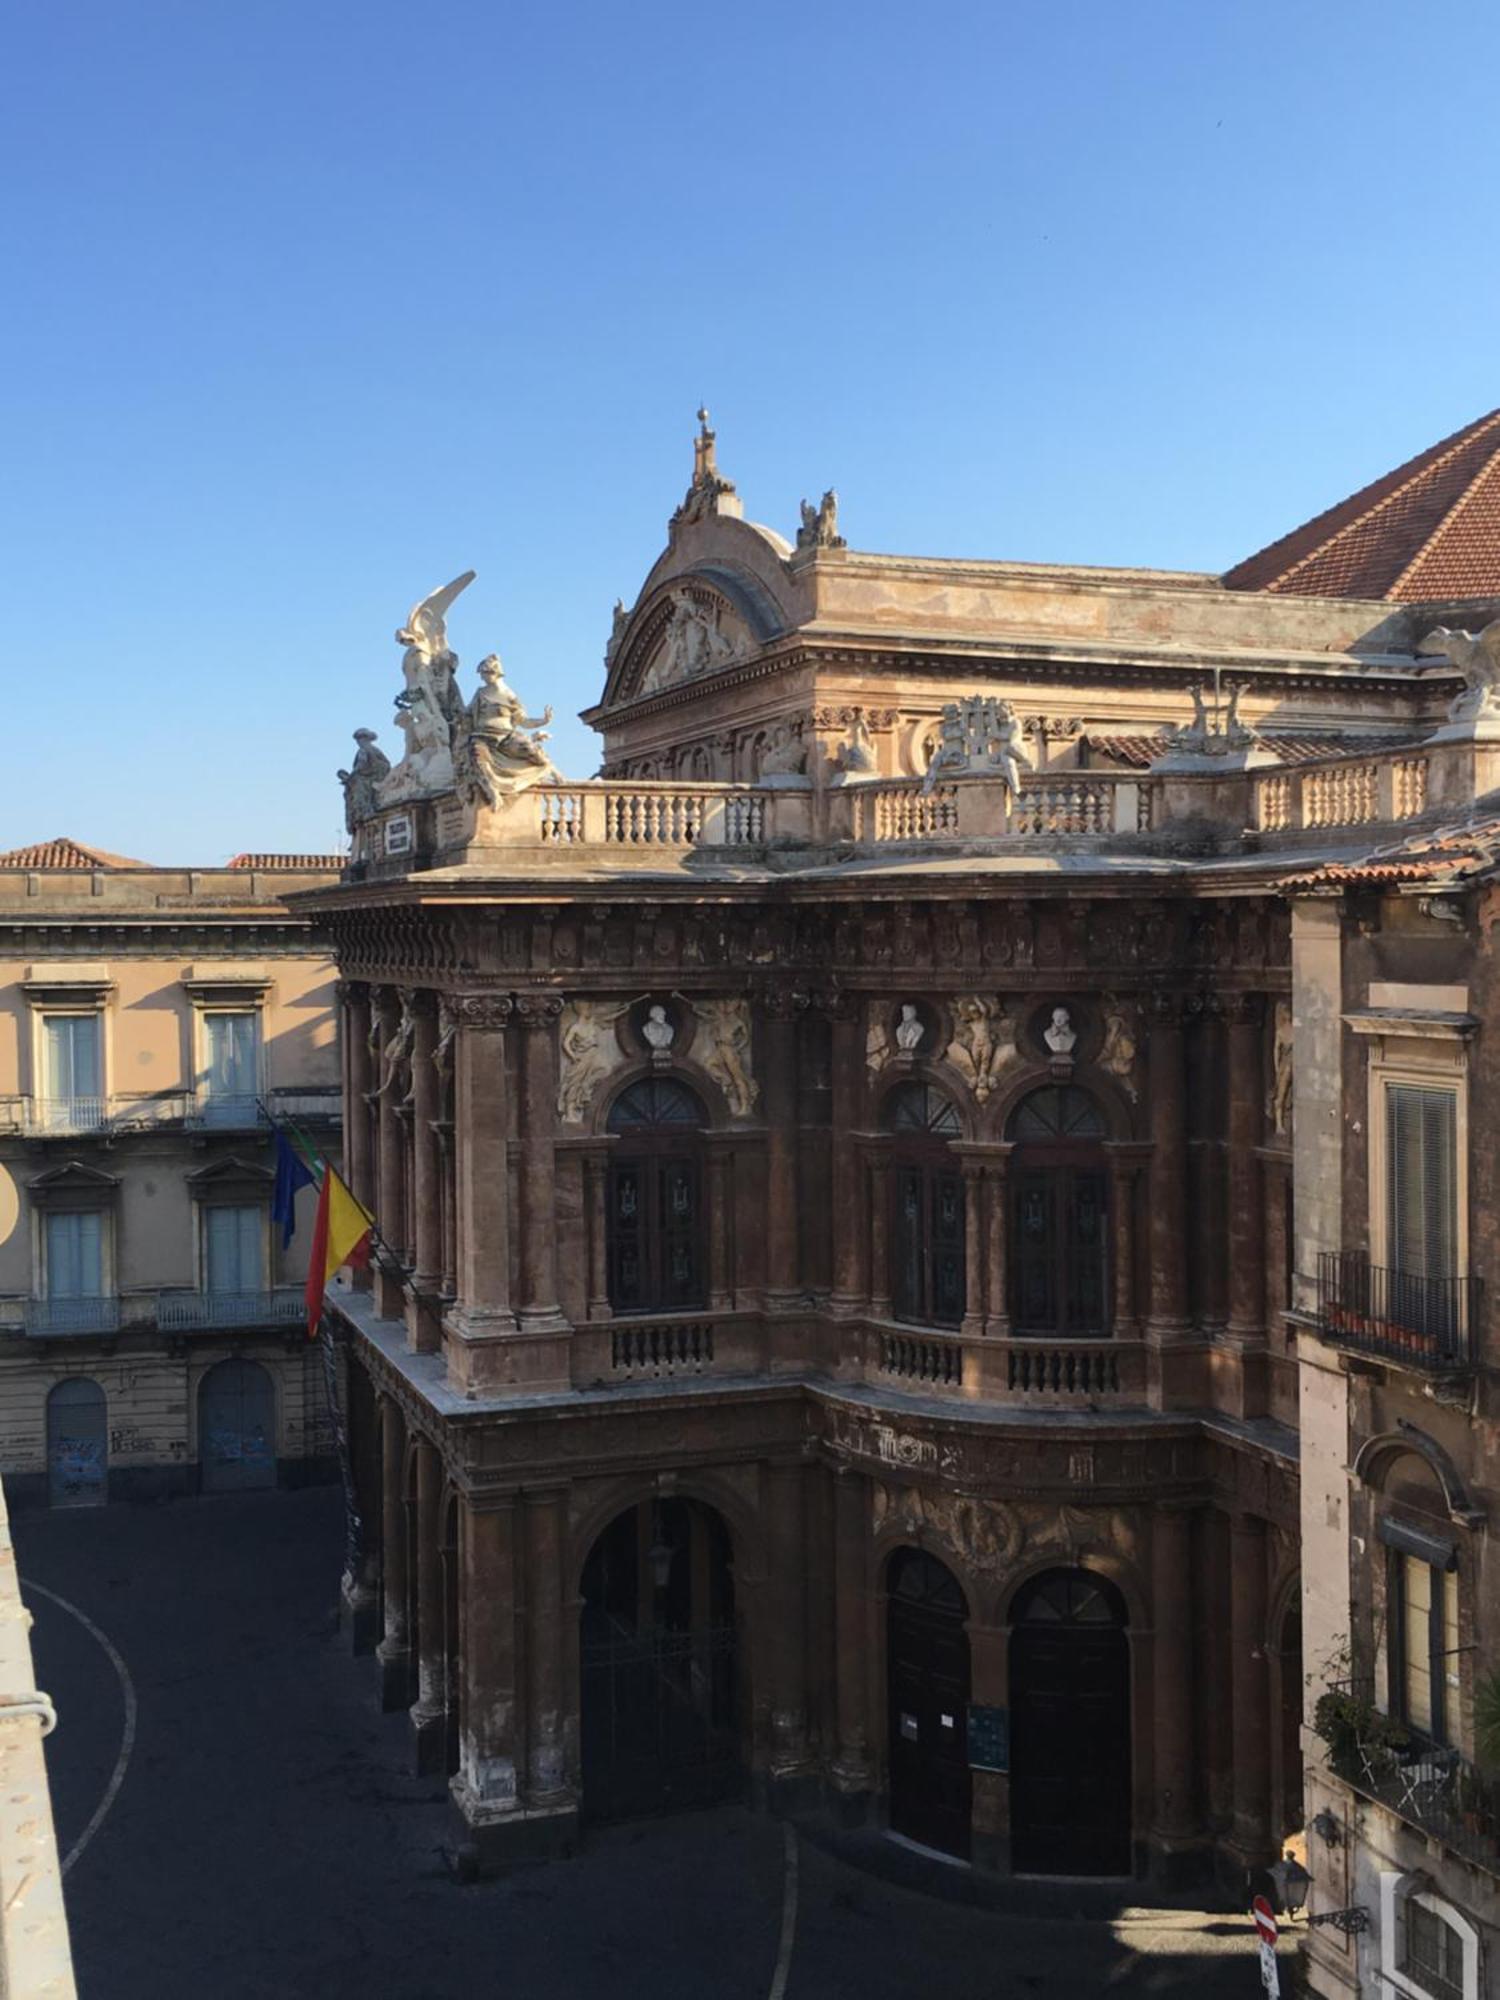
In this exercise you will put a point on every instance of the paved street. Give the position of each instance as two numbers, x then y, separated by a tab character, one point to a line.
264	1839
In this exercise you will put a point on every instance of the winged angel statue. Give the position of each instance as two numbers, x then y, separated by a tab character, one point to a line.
429	706
1477	657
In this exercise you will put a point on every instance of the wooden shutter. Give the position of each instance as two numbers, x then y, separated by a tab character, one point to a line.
1421	1181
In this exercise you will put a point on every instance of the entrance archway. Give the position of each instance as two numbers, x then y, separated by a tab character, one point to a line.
659	1680
1059	1215
1070	1727
77	1444
928	1680
236	1428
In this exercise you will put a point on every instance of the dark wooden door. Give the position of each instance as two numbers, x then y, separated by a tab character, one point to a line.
1058	1237
1070	1729
928	1677
236	1428
655	1234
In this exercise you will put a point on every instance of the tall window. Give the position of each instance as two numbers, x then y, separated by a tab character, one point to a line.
1059	1212
75	1254
927	1189
1421	1181
1433	1953
1423	1645
72	1081
654	1200
233	1248
231	1066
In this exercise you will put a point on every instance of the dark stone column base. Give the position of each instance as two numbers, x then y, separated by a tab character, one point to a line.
493	1846
359	1620
429	1742
793	1792
395	1678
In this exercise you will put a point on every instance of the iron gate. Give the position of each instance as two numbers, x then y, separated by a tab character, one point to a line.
660	1728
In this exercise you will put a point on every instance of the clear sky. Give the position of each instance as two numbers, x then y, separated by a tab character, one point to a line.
309	306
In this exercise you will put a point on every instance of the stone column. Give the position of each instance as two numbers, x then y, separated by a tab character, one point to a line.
879	1179
1250	1688
779	1011
361	1585
393	1652
1246	1196
357	1087
1172	1702
851	1504
428	1710
721	1278
975	1235
483	1165
390	1208
595	1220
447	1184
1124	1167
997	1175
423	1329
788	1631
546	1701
485	1789
539	1310
848	1081
1167	1175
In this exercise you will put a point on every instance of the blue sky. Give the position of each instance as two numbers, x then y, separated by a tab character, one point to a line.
310	306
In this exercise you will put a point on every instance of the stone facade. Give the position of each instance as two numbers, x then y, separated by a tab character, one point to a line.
151	1325
894	1338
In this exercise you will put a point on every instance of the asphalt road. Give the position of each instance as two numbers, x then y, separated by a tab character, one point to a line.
260	1837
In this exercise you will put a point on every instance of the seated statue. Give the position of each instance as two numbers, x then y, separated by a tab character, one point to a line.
501	746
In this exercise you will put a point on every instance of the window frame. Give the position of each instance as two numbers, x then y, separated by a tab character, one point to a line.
262	1225
653	1150
1397	1893
1439	1064
1445	1693
55	1214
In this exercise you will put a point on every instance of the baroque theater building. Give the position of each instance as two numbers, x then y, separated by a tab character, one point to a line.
837	1335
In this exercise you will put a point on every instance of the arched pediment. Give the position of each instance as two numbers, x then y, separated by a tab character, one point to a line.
1378	1455
718	593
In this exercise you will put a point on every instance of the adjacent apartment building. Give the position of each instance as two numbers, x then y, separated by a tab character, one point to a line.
151	1336
878	1185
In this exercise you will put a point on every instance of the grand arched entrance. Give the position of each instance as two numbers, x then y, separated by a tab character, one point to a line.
659	1692
1070	1727
928	1681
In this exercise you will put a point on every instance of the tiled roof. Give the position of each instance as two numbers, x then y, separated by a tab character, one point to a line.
1455	854
66	854
1428	531
301	864
1140	751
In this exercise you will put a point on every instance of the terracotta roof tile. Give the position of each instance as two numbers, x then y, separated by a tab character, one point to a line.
301	864
1428	531
64	853
1140	751
1458	852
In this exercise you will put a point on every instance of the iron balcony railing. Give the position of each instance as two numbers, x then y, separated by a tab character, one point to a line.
66	1115
71	1315
192	1311
1430	1324
1431	1786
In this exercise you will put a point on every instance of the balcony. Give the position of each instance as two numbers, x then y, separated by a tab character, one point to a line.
1429	1325
64	1116
195	1312
71	1316
112	1117
1431	1786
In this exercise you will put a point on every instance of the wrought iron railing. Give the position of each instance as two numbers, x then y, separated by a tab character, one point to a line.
49	1316
1432	1786
1429	1324
189	1311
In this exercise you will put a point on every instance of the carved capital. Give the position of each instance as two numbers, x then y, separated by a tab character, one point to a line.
784	1002
537	1010
479	1010
1166	1011
350	992
1245	1009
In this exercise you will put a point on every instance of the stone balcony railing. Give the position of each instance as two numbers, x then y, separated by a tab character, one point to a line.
652	823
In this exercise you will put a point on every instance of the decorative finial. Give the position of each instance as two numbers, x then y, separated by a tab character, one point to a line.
710	492
703	415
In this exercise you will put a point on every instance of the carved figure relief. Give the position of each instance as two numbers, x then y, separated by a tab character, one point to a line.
589	1050
696	640
987	1536
980	736
784	756
856	757
724	1050
877	1040
1118	1054
1281	1069
984	1042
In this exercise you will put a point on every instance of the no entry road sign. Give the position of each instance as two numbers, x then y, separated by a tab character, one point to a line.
1265	1919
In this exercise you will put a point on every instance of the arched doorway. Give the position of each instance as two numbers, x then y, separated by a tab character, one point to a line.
654	1220
928	1680
1059	1215
927	1220
1070	1727
660	1700
77	1444
236	1428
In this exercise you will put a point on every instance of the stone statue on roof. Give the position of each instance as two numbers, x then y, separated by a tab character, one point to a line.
980	737
1477	657
429	706
820	524
499	748
361	779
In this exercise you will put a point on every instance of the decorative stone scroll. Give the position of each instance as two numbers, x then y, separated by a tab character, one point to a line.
723	1048
589	1050
983	1044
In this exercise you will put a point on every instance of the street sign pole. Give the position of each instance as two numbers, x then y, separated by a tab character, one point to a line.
1265	1931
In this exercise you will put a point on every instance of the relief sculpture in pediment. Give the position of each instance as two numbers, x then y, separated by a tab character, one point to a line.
701	634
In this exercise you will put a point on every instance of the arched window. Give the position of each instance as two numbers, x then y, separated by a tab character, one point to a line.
927	1191
1059	1214
654	1200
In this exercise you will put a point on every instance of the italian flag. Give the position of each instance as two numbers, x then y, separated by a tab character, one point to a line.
341	1235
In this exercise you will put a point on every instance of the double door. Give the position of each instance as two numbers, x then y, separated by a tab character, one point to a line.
928	1679
1059	1217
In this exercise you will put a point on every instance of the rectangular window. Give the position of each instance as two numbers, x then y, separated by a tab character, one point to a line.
75	1255
71	1079
1424	1645
233	1242
1421	1181
231	1073
1416	1621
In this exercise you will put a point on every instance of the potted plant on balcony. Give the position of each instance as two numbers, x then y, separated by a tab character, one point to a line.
1362	1743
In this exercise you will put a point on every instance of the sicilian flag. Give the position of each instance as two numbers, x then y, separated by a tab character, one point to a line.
292	1174
341	1235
